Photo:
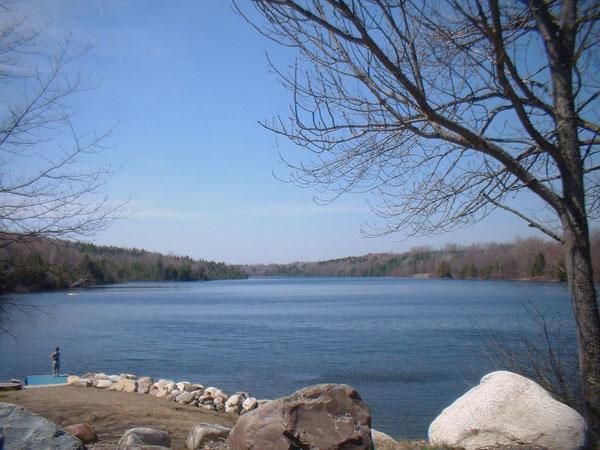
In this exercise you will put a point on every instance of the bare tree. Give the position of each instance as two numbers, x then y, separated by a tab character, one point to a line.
45	187
447	110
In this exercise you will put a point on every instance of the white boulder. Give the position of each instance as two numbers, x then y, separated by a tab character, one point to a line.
72	379
249	404
184	386
234	400
507	409
184	397
102	384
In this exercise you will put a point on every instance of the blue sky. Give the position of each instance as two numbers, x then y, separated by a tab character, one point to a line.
187	83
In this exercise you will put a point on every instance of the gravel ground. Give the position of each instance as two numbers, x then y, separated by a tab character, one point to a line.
112	413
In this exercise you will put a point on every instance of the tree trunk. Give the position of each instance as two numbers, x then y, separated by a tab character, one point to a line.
585	310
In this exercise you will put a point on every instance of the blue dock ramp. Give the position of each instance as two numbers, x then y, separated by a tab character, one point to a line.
42	380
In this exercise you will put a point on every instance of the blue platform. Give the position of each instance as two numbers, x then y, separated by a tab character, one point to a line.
36	380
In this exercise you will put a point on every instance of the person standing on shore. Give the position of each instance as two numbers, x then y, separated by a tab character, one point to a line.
55	358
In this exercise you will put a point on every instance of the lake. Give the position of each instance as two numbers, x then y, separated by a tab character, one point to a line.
410	347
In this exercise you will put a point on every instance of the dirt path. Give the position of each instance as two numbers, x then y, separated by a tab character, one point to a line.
112	413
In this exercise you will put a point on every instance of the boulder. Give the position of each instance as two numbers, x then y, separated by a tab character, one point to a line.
215	392
83	382
84	432
382	441
249	404
507	409
325	416
233	409
98	377
22	429
88	375
136	437
114	378
11	386
184	397
206	435
162	393
234	400
72	379
170	387
144	385
125	385
184	386
128	376
102	384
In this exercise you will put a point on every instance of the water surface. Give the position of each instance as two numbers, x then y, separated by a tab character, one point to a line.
410	347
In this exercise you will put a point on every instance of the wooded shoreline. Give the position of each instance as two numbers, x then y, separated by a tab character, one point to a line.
48	265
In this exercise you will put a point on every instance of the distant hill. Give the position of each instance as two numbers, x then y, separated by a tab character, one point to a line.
48	264
531	258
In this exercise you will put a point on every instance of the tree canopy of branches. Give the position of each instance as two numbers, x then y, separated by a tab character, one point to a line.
447	110
45	187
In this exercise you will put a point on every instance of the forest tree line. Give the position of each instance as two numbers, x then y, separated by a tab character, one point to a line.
530	258
48	264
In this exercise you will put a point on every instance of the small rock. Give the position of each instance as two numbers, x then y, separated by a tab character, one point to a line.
72	379
184	397
197	386
136	437
162	393
129	384
144	385
102	384
128	376
98	377
233	409
184	386
206	435
84	432
382	441
235	400
249	404
215	392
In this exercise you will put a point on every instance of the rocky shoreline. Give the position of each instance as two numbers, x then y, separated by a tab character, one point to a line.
184	392
505	411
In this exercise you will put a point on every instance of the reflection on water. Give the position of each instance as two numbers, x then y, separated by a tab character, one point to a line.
410	347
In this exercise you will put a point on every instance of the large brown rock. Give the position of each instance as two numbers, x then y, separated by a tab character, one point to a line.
325	417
